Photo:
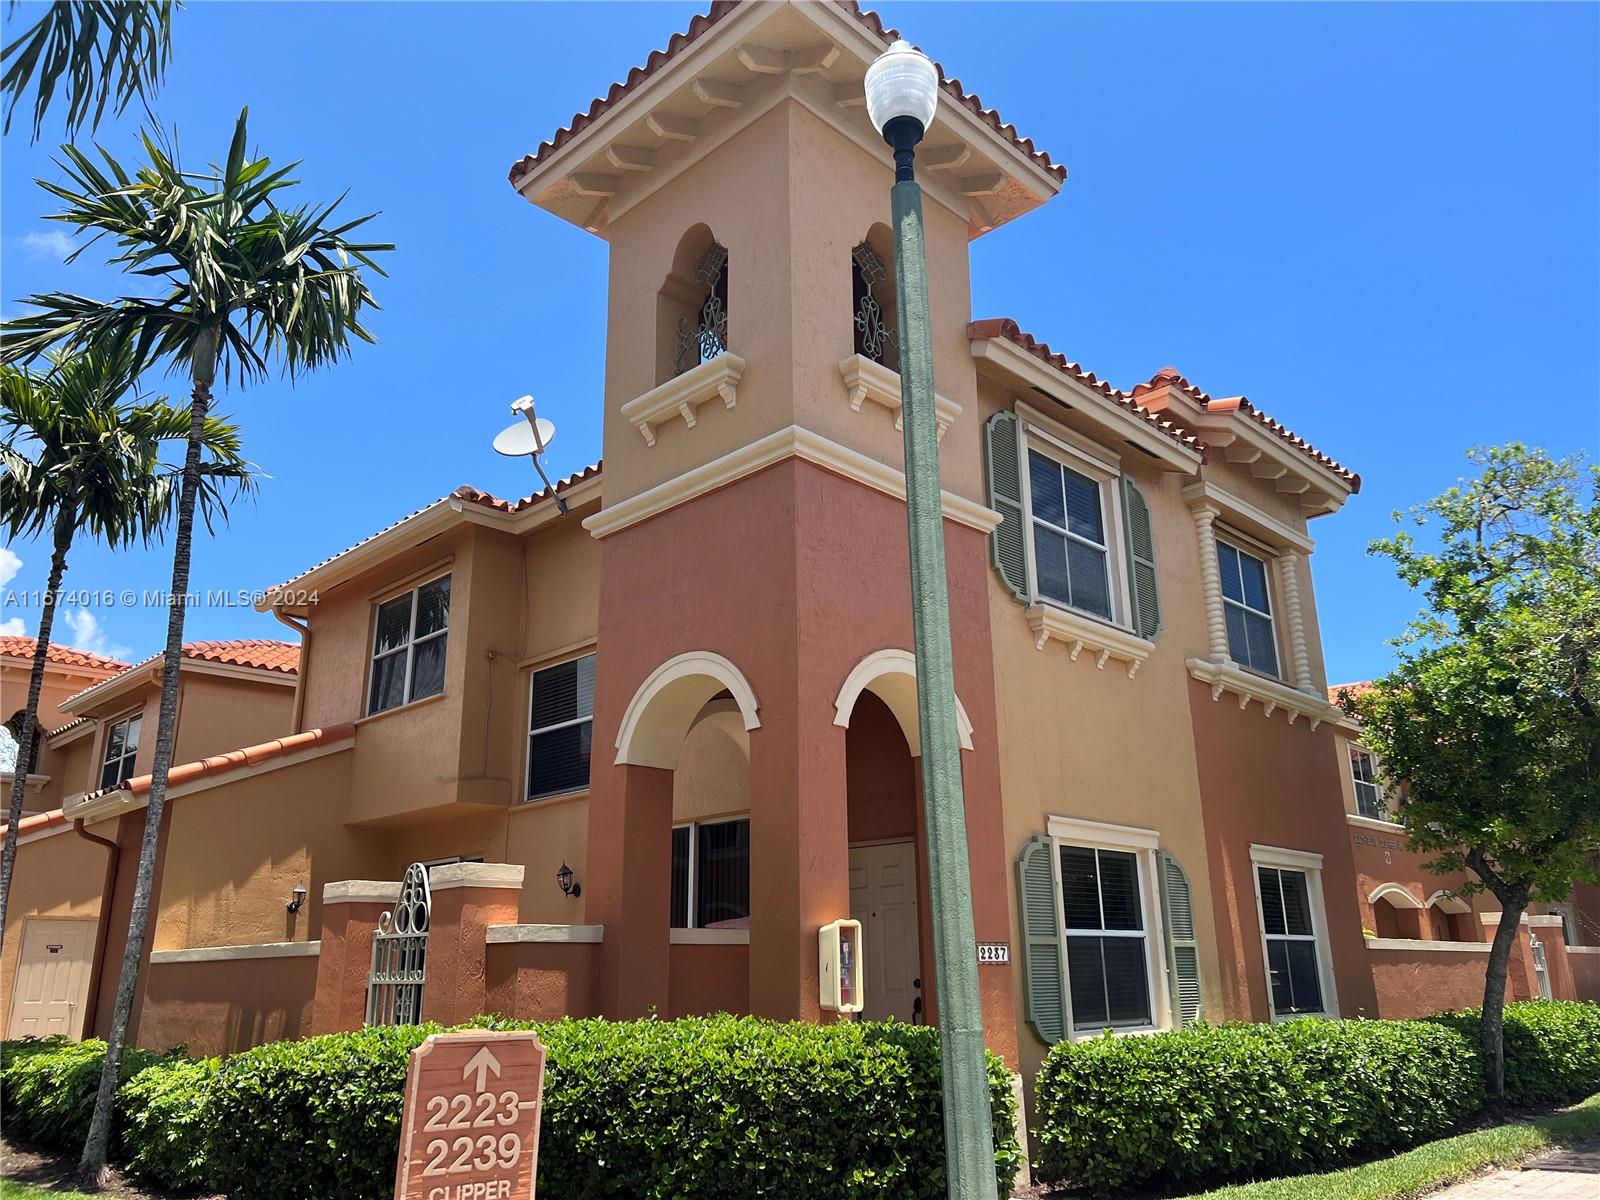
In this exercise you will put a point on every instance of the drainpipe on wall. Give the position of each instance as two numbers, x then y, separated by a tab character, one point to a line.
102	926
304	630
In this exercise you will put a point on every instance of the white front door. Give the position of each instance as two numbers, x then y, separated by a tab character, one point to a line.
883	897
52	982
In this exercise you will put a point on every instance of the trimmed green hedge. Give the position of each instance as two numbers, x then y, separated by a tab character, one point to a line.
47	1087
1217	1103
705	1107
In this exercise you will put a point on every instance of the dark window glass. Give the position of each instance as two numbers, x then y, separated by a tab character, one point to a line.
1296	904
722	874
1292	967
1271	901
1044	477
122	748
408	646
681	838
1083	507
394	624
562	728
1068	536
1087	567
1247	608
427	668
1106	973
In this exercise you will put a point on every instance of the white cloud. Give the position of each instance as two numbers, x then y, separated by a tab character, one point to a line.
12	627
10	564
49	243
88	635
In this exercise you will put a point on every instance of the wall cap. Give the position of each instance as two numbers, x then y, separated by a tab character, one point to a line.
1375	823
709	937
504	934
233	953
482	875
1543	920
361	891
1419	944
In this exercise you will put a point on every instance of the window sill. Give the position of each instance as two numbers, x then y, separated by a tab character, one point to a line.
400	708
709	937
680	397
1377	823
528	802
868	380
1080	632
1089	1035
1271	694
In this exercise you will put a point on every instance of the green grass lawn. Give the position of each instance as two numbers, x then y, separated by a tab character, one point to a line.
1428	1166
11	1190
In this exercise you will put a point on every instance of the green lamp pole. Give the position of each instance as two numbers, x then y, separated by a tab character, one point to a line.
902	93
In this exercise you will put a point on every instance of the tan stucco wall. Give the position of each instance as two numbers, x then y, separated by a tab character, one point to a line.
713	775
60	682
217	714
56	876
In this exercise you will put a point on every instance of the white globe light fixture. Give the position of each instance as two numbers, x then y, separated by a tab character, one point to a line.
902	90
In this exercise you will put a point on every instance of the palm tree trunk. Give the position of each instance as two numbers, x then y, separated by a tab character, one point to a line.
1494	992
91	1167
29	741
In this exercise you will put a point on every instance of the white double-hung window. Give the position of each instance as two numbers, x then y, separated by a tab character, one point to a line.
1294	932
122	748
1070	542
1108	932
1369	792
409	637
1247	607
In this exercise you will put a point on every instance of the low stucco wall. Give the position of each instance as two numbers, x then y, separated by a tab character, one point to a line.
1585	964
226	1006
708	979
542	981
1419	982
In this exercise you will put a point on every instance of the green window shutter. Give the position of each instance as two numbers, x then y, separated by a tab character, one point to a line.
1041	944
1183	948
1005	497
1141	560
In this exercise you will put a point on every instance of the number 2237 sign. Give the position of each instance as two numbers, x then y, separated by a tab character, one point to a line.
471	1124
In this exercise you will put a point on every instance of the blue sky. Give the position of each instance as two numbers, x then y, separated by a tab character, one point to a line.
1377	221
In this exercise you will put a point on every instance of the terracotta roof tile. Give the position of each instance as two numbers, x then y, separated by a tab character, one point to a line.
37	823
263	653
467	493
697	29
1005	327
1170	376
72	724
66	656
219	764
1355	689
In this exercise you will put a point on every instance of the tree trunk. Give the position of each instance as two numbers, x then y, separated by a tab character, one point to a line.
91	1167
28	742
1513	902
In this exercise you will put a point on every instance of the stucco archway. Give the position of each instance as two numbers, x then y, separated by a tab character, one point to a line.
664	708
891	675
1395	895
1448	903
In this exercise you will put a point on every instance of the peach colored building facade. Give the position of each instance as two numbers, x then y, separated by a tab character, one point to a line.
642	751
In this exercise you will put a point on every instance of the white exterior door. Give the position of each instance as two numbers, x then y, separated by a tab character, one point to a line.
52	983
883	897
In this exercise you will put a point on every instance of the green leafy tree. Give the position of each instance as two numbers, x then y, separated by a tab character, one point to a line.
77	456
1490	717
102	51
246	281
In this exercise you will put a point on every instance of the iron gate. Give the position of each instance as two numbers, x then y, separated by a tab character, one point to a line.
400	954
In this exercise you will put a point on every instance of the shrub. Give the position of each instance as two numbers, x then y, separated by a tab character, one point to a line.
48	1085
699	1107
167	1122
1552	1048
1218	1102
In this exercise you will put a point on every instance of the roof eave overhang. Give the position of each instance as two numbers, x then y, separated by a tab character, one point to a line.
601	171
149	674
1015	366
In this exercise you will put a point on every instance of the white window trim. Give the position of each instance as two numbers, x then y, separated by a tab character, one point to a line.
1143	845
1071	450
105	746
1310	864
412	590
1355	748
527	738
1246	547
693	881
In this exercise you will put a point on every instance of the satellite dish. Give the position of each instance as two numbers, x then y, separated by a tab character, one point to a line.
529	438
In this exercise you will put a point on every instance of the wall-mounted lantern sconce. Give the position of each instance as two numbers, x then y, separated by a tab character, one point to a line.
299	898
565	881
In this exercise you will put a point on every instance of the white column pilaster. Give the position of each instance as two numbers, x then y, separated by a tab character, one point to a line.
1211	580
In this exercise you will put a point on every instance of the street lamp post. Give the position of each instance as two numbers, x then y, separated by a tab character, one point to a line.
902	93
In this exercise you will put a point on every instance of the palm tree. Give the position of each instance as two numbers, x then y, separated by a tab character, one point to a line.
75	458
245	281
102	48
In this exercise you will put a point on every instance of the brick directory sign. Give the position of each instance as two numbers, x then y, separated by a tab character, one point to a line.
471	1125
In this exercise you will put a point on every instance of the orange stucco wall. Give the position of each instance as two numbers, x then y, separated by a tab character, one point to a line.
225	1007
542	981
56	876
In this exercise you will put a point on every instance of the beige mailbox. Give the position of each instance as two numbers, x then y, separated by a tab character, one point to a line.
839	966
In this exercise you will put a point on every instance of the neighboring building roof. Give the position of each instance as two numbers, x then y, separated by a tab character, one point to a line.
66	656
233	760
1005	327
259	654
465	494
1355	689
699	26
1169	376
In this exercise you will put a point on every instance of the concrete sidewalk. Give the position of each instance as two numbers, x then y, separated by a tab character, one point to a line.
1565	1175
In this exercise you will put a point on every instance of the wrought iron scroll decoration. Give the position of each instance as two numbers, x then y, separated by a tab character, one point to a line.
400	954
874	338
709	336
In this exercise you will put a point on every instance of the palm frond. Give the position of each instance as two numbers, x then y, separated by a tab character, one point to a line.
101	51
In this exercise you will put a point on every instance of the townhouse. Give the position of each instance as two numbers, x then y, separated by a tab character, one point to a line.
625	745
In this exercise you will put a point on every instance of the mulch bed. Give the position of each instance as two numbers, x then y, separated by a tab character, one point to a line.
54	1170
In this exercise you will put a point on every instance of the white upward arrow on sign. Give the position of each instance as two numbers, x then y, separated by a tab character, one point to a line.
482	1062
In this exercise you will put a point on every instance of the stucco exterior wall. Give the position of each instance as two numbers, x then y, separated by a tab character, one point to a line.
224	1007
217	714
56	876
